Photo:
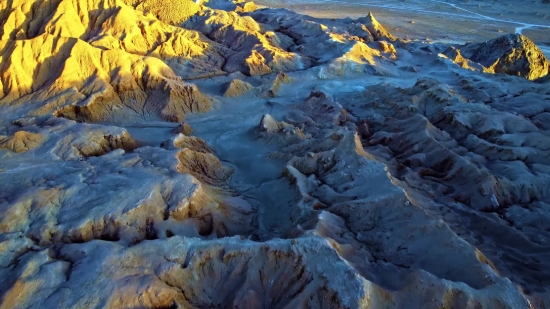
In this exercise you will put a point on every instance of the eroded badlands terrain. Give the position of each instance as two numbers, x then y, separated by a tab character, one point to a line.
168	154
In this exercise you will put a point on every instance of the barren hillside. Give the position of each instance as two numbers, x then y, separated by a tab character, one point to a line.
170	154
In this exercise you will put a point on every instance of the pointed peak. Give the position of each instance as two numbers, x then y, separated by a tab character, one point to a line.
370	17
377	30
512	54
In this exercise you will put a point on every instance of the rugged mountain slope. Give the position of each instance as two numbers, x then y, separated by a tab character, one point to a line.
311	163
69	78
512	54
89	58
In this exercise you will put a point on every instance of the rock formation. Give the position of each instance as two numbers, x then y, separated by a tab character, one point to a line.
237	88
248	48
375	28
179	154
278	81
512	54
21	141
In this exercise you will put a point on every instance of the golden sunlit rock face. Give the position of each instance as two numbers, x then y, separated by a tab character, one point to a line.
96	61
512	54
213	154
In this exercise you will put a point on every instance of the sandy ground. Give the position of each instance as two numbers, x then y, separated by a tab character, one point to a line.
450	20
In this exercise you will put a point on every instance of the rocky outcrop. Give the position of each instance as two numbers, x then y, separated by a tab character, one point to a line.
455	56
400	181
278	81
173	12
248	49
97	143
106	65
192	142
445	146
203	165
114	25
349	198
512	54
349	47
132	61
93	84
21	141
359	58
245	7
183	128
272	130
236	88
375	28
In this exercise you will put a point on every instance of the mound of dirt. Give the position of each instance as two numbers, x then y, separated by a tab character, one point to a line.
237	88
21	141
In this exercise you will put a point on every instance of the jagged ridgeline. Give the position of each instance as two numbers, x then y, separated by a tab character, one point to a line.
173	154
115	60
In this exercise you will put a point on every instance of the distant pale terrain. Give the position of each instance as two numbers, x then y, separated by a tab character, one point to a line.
173	154
448	20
